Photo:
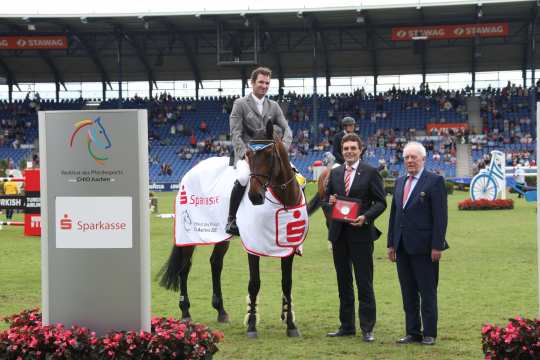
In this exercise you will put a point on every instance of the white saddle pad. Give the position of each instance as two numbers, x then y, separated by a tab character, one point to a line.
202	206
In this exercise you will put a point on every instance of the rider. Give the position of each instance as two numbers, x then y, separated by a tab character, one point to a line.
348	124
249	116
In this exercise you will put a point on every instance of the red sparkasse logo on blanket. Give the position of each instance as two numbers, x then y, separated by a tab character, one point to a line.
296	229
196	200
183	196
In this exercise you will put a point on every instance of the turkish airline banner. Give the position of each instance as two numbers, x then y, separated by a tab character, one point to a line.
443	32
33	42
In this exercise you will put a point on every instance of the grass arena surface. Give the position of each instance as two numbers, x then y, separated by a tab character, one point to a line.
488	275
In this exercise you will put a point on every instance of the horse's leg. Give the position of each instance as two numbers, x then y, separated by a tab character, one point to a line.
287	312
216	264
314	204
185	267
253	290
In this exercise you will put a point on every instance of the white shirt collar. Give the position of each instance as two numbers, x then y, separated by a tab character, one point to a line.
354	166
257	100
417	176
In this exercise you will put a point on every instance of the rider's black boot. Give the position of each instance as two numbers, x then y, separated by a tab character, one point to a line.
237	194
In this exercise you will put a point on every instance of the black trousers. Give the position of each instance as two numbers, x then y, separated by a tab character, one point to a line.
352	255
418	278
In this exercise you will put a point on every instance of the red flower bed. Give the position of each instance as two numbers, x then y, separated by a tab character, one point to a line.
520	339
498	204
169	338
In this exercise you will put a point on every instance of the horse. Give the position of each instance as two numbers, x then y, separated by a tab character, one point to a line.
272	172
316	201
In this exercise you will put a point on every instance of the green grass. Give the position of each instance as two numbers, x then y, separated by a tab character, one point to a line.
488	274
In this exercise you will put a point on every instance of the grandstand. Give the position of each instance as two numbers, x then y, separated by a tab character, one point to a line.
324	44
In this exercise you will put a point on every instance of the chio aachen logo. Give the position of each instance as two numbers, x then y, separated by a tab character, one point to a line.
96	138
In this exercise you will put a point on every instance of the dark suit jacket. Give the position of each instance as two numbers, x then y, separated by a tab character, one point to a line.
421	225
336	147
368	188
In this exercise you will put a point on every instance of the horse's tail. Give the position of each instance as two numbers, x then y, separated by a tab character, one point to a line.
314	204
170	271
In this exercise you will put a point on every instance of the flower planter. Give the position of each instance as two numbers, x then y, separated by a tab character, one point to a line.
498	204
170	338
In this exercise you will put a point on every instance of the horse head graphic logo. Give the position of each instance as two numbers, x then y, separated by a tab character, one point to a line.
96	138
187	220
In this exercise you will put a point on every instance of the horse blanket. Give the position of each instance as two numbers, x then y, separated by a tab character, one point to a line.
202	205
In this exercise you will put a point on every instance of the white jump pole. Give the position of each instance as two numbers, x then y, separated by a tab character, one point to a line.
537	207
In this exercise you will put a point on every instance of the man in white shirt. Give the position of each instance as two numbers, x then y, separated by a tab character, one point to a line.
249	117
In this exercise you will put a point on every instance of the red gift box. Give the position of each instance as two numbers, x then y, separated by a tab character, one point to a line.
345	209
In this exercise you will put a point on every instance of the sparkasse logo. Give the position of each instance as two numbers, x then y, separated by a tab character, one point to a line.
296	229
66	223
195	200
87	222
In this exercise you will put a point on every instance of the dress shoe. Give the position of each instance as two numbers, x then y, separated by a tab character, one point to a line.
409	339
368	336
341	332
428	340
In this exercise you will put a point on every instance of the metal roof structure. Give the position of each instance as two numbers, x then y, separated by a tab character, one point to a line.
294	43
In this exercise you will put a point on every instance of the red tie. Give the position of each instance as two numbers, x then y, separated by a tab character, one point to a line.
348	174
407	189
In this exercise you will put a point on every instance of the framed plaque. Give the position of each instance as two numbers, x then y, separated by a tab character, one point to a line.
346	209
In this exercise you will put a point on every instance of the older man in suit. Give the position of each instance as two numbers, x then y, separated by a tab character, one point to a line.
249	117
352	243
416	239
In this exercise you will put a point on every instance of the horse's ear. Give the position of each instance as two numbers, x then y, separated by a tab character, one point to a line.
269	130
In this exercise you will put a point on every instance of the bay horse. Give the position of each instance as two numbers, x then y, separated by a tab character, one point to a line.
271	171
174	276
317	201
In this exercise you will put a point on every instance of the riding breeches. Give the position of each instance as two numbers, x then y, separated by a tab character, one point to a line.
242	172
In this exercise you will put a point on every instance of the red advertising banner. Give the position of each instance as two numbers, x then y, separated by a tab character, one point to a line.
453	126
32	216
33	42
442	32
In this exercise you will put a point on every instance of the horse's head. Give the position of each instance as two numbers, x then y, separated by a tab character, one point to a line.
269	166
98	135
261	155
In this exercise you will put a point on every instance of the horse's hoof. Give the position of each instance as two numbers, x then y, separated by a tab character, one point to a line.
186	319
252	334
293	333
223	318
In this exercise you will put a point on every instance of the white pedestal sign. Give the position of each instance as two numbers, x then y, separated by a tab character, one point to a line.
95	248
